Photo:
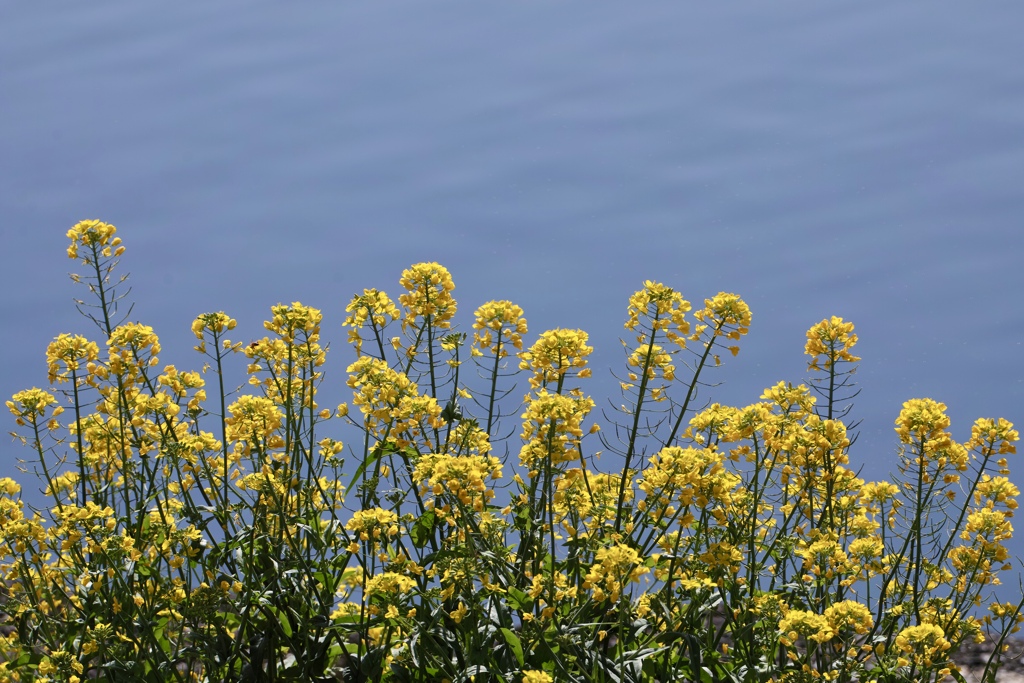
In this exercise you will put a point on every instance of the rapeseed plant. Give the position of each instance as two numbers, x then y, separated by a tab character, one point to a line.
195	532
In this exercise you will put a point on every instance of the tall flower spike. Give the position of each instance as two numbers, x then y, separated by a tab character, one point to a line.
498	323
555	355
372	306
428	294
661	308
65	353
97	237
727	315
829	342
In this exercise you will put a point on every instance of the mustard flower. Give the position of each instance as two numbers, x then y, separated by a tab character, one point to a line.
462	476
613	567
849	614
923	420
829	342
372	306
655	359
389	584
375	524
994	436
727	315
804	624
923	645
552	428
378	389
996	491
97	236
132	347
791	400
582	494
253	419
31	404
662	309
428	295
556	354
536	677
217	323
684	477
65	353
289	320
498	324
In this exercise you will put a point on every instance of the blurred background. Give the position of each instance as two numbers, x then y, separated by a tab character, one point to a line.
860	159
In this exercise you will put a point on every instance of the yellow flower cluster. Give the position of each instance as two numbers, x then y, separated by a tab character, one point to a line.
498	324
536	677
804	624
375	524
829	342
217	323
428	295
613	568
924	645
378	391
372	306
389	584
922	425
132	347
252	423
849	615
683	477
65	353
839	618
582	495
31	404
662	309
97	237
726	315
462	476
552	429
555	355
651	358
289	320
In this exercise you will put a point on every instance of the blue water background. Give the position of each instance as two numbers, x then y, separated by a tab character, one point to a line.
862	159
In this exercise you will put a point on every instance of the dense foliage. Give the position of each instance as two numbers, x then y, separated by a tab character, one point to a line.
467	532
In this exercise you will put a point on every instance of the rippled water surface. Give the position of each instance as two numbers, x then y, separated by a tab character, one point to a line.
861	159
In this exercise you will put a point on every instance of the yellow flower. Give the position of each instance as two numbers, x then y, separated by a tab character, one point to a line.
849	614
64	354
612	568
389	584
552	428
131	348
428	295
662	309
536	677
459	613
253	419
30	404
802	623
555	355
727	316
829	342
97	237
372	306
993	436
499	324
460	476
925	644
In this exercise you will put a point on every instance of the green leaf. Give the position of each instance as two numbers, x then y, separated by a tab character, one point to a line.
518	599
513	642
423	530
